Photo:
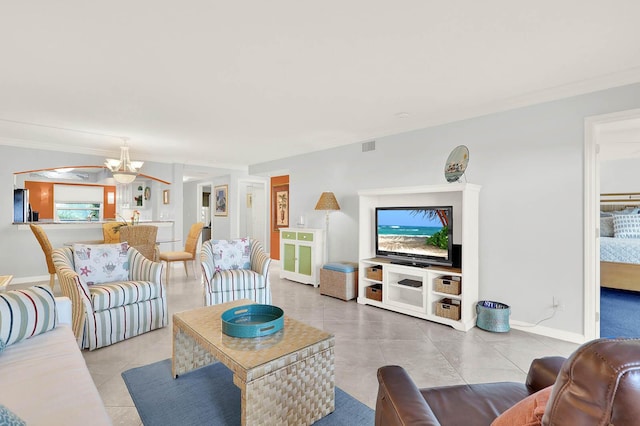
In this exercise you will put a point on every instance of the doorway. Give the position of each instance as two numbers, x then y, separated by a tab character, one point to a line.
596	134
252	210
203	209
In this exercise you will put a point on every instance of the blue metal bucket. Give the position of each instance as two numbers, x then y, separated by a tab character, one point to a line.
493	316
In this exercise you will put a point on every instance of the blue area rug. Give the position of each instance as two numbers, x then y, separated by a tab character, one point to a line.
207	396
619	313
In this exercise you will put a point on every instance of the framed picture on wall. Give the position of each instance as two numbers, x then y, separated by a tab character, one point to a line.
221	200
280	206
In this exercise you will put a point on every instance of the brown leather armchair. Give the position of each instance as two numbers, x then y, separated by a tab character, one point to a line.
599	384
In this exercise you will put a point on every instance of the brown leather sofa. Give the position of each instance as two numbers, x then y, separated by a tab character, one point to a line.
599	384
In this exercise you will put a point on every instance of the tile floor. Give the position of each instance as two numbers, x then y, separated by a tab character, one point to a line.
366	338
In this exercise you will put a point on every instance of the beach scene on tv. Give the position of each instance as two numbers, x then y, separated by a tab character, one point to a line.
414	231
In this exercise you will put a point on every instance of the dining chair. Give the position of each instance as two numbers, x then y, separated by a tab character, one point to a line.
111	232
189	252
42	238
142	238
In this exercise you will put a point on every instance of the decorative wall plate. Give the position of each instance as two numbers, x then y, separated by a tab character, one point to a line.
456	163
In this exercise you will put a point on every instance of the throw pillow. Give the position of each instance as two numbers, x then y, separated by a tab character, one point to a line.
231	254
606	226
101	263
628	210
527	412
626	226
26	313
8	418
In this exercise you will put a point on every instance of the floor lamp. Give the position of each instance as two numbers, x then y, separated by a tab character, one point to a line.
328	203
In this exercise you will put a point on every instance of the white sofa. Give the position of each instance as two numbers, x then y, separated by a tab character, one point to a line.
44	379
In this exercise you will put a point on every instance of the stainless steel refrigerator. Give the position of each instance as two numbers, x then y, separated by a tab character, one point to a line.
21	208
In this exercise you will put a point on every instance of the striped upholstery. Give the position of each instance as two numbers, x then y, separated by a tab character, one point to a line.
107	296
26	313
108	313
227	285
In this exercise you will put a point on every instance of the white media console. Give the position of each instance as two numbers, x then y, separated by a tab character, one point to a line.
419	291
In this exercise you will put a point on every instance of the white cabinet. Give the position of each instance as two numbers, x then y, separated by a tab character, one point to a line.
414	290
301	254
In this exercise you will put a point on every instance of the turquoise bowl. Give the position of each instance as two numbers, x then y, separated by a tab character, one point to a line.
252	320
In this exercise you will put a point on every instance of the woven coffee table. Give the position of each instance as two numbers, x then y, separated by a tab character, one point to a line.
284	378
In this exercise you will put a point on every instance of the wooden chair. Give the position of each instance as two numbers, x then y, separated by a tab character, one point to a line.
189	252
142	238
111	232
42	238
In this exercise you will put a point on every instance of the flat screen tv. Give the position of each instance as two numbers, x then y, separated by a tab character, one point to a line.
417	236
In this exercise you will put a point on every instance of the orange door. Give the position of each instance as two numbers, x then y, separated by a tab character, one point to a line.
278	185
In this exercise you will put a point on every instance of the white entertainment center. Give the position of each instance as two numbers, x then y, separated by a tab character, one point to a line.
423	292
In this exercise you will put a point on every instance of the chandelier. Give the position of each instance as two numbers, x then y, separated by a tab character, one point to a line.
124	170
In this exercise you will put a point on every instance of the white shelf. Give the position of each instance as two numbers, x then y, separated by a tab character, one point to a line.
421	301
451	296
406	287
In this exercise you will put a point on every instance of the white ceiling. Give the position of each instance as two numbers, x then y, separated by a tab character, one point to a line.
235	83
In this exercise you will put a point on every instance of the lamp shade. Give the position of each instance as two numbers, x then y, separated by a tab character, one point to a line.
327	201
124	177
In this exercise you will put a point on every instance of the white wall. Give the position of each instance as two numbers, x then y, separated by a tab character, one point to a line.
529	162
620	175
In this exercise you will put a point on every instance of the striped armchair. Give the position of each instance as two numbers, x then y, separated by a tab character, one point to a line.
107	313
224	285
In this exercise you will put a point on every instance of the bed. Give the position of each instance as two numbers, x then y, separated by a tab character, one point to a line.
620	241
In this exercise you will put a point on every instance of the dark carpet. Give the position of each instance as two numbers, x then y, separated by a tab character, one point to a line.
619	313
207	396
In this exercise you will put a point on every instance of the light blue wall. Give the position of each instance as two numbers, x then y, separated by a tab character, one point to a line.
529	162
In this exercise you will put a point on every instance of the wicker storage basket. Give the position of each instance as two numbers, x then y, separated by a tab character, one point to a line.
373	273
493	316
449	285
448	308
374	292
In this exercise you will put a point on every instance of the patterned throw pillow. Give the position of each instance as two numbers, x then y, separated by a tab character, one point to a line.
101	263
626	226
231	254
8	418
26	313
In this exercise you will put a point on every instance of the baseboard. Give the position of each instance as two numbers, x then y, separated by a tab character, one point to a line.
549	332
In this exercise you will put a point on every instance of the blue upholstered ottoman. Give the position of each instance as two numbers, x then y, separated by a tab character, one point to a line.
339	279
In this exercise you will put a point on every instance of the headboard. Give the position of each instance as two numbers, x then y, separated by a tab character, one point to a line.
612	202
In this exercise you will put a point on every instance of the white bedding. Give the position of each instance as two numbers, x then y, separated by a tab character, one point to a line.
621	250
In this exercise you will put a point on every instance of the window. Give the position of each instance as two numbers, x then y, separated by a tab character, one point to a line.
78	211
